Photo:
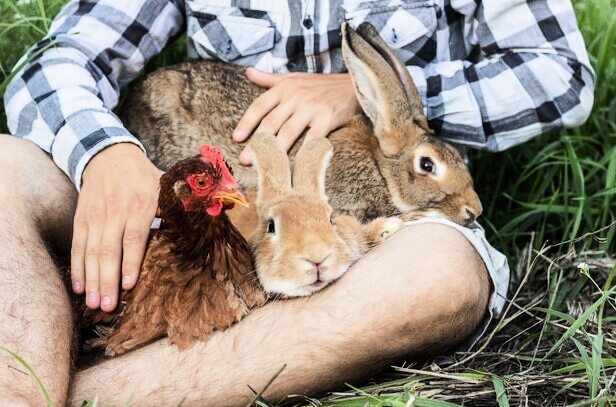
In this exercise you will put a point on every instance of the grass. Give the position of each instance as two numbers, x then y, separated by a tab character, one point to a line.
549	204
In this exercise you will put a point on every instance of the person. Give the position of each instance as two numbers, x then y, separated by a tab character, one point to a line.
492	74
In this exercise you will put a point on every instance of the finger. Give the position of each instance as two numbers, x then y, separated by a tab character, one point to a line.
92	263
110	261
246	156
133	248
293	129
264	79
276	118
78	251
318	129
254	114
272	124
290	131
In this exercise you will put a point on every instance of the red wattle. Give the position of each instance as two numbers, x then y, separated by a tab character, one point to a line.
214	209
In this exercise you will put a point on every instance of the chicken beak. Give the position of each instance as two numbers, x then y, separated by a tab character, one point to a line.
233	197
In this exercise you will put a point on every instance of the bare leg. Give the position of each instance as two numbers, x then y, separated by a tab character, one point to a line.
425	289
35	319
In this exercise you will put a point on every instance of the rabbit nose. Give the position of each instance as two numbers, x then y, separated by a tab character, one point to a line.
317	261
470	216
318	265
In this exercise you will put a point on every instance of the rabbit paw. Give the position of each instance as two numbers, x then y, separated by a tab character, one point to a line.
390	226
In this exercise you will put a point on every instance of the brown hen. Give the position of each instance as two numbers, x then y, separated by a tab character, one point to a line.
197	275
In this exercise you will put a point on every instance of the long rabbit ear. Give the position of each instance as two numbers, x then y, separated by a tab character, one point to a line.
383	86
310	166
372	36
272	166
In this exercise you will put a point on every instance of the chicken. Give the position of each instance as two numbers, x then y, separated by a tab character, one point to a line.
198	273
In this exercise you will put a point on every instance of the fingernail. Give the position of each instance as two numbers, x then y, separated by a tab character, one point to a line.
92	298
246	157
238	135
77	286
106	300
126	281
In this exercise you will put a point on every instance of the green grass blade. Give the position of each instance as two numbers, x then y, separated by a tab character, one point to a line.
556	313
606	287
32	373
596	365
580	186
580	321
422	402
588	366
501	394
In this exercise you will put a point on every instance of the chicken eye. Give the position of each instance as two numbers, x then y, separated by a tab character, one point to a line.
426	164
271	228
200	182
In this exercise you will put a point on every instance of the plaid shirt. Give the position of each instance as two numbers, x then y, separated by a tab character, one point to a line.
491	73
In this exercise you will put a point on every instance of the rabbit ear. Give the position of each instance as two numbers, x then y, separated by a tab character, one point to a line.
383	86
310	166
371	35
272	166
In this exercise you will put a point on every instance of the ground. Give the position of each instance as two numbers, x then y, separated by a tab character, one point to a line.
549	206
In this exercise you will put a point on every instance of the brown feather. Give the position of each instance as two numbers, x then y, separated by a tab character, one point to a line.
197	276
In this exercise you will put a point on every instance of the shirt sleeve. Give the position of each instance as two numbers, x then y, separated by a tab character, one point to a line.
527	73
61	98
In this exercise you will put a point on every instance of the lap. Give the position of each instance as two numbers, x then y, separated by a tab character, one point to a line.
422	291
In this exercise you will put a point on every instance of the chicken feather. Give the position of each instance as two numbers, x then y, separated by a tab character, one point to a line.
197	275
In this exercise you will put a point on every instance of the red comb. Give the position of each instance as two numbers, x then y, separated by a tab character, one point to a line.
210	154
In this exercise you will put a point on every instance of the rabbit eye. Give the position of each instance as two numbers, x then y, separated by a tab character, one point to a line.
271	228
426	164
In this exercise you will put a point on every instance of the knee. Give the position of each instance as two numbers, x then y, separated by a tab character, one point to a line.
439	281
452	270
28	177
15	163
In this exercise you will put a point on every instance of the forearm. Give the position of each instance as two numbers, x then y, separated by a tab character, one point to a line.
527	73
497	103
62	98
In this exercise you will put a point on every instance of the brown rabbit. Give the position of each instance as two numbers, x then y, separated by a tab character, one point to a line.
392	164
300	245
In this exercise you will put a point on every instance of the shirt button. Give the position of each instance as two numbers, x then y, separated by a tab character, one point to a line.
307	22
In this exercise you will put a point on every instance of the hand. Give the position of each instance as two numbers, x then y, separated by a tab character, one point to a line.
294	102
117	203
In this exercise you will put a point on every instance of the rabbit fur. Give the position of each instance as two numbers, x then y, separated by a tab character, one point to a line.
300	244
386	162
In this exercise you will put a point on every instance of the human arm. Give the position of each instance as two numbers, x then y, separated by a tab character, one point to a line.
62	99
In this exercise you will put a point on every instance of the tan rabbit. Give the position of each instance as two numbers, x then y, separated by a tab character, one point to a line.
387	162
300	245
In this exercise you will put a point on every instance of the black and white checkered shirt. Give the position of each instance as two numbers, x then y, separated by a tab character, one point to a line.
492	73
